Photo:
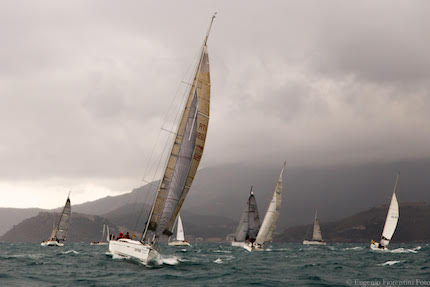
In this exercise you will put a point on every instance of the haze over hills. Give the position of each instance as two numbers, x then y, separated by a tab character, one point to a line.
222	191
364	226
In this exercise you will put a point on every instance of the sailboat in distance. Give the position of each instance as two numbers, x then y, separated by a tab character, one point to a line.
180	169
249	223
265	234
180	235
316	235
390	222
59	232
101	242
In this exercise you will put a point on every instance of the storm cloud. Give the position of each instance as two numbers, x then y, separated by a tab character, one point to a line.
86	85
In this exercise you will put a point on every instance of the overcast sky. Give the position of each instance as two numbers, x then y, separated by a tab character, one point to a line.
86	85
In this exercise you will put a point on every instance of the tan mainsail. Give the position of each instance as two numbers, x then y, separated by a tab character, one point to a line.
316	235
185	154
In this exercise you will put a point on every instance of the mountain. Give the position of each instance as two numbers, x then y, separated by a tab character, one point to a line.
84	228
11	216
133	216
413	226
336	191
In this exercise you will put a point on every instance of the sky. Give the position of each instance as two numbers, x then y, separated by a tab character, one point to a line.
86	85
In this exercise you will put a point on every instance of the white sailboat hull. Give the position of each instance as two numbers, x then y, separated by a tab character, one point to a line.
98	243
253	247
314	242
179	243
134	250
51	243
375	246
237	243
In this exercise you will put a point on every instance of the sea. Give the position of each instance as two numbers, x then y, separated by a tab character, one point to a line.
211	264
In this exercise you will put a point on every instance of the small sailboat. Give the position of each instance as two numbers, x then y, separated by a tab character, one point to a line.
59	232
265	234
316	235
180	236
180	169
101	242
390	222
249	223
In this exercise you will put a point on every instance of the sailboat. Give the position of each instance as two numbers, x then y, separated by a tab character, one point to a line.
390	222
265	234
249	223
180	169
101	242
180	236
59	232
316	235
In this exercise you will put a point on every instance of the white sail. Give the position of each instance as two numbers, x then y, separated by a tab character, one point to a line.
107	233
272	214
392	218
180	230
103	233
317	236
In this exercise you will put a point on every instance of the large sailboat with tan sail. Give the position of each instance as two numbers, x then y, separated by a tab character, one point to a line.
180	169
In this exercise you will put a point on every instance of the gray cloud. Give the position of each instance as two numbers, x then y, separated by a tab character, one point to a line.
85	86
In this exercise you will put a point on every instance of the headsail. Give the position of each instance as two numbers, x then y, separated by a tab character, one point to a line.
317	236
249	223
392	217
180	230
185	155
60	231
272	214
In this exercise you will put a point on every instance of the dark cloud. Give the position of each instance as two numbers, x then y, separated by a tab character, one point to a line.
85	86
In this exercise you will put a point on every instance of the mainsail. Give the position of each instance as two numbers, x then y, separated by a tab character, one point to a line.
249	223
392	217
180	230
185	154
272	214
317	236
60	230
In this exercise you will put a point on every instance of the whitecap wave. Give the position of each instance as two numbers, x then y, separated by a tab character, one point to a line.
70	251
406	250
354	248
389	263
218	261
170	260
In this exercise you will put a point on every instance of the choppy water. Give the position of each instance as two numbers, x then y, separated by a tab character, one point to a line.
76	264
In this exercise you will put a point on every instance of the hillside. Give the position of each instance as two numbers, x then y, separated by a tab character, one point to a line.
84	228
413	226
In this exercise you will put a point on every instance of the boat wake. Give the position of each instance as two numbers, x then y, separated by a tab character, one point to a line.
354	248
389	263
406	250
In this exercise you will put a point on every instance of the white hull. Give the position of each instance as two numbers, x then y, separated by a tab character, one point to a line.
375	246
98	243
134	250
253	247
52	243
179	243
237	243
312	242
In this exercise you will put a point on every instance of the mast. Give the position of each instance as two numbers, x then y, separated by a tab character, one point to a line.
185	153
